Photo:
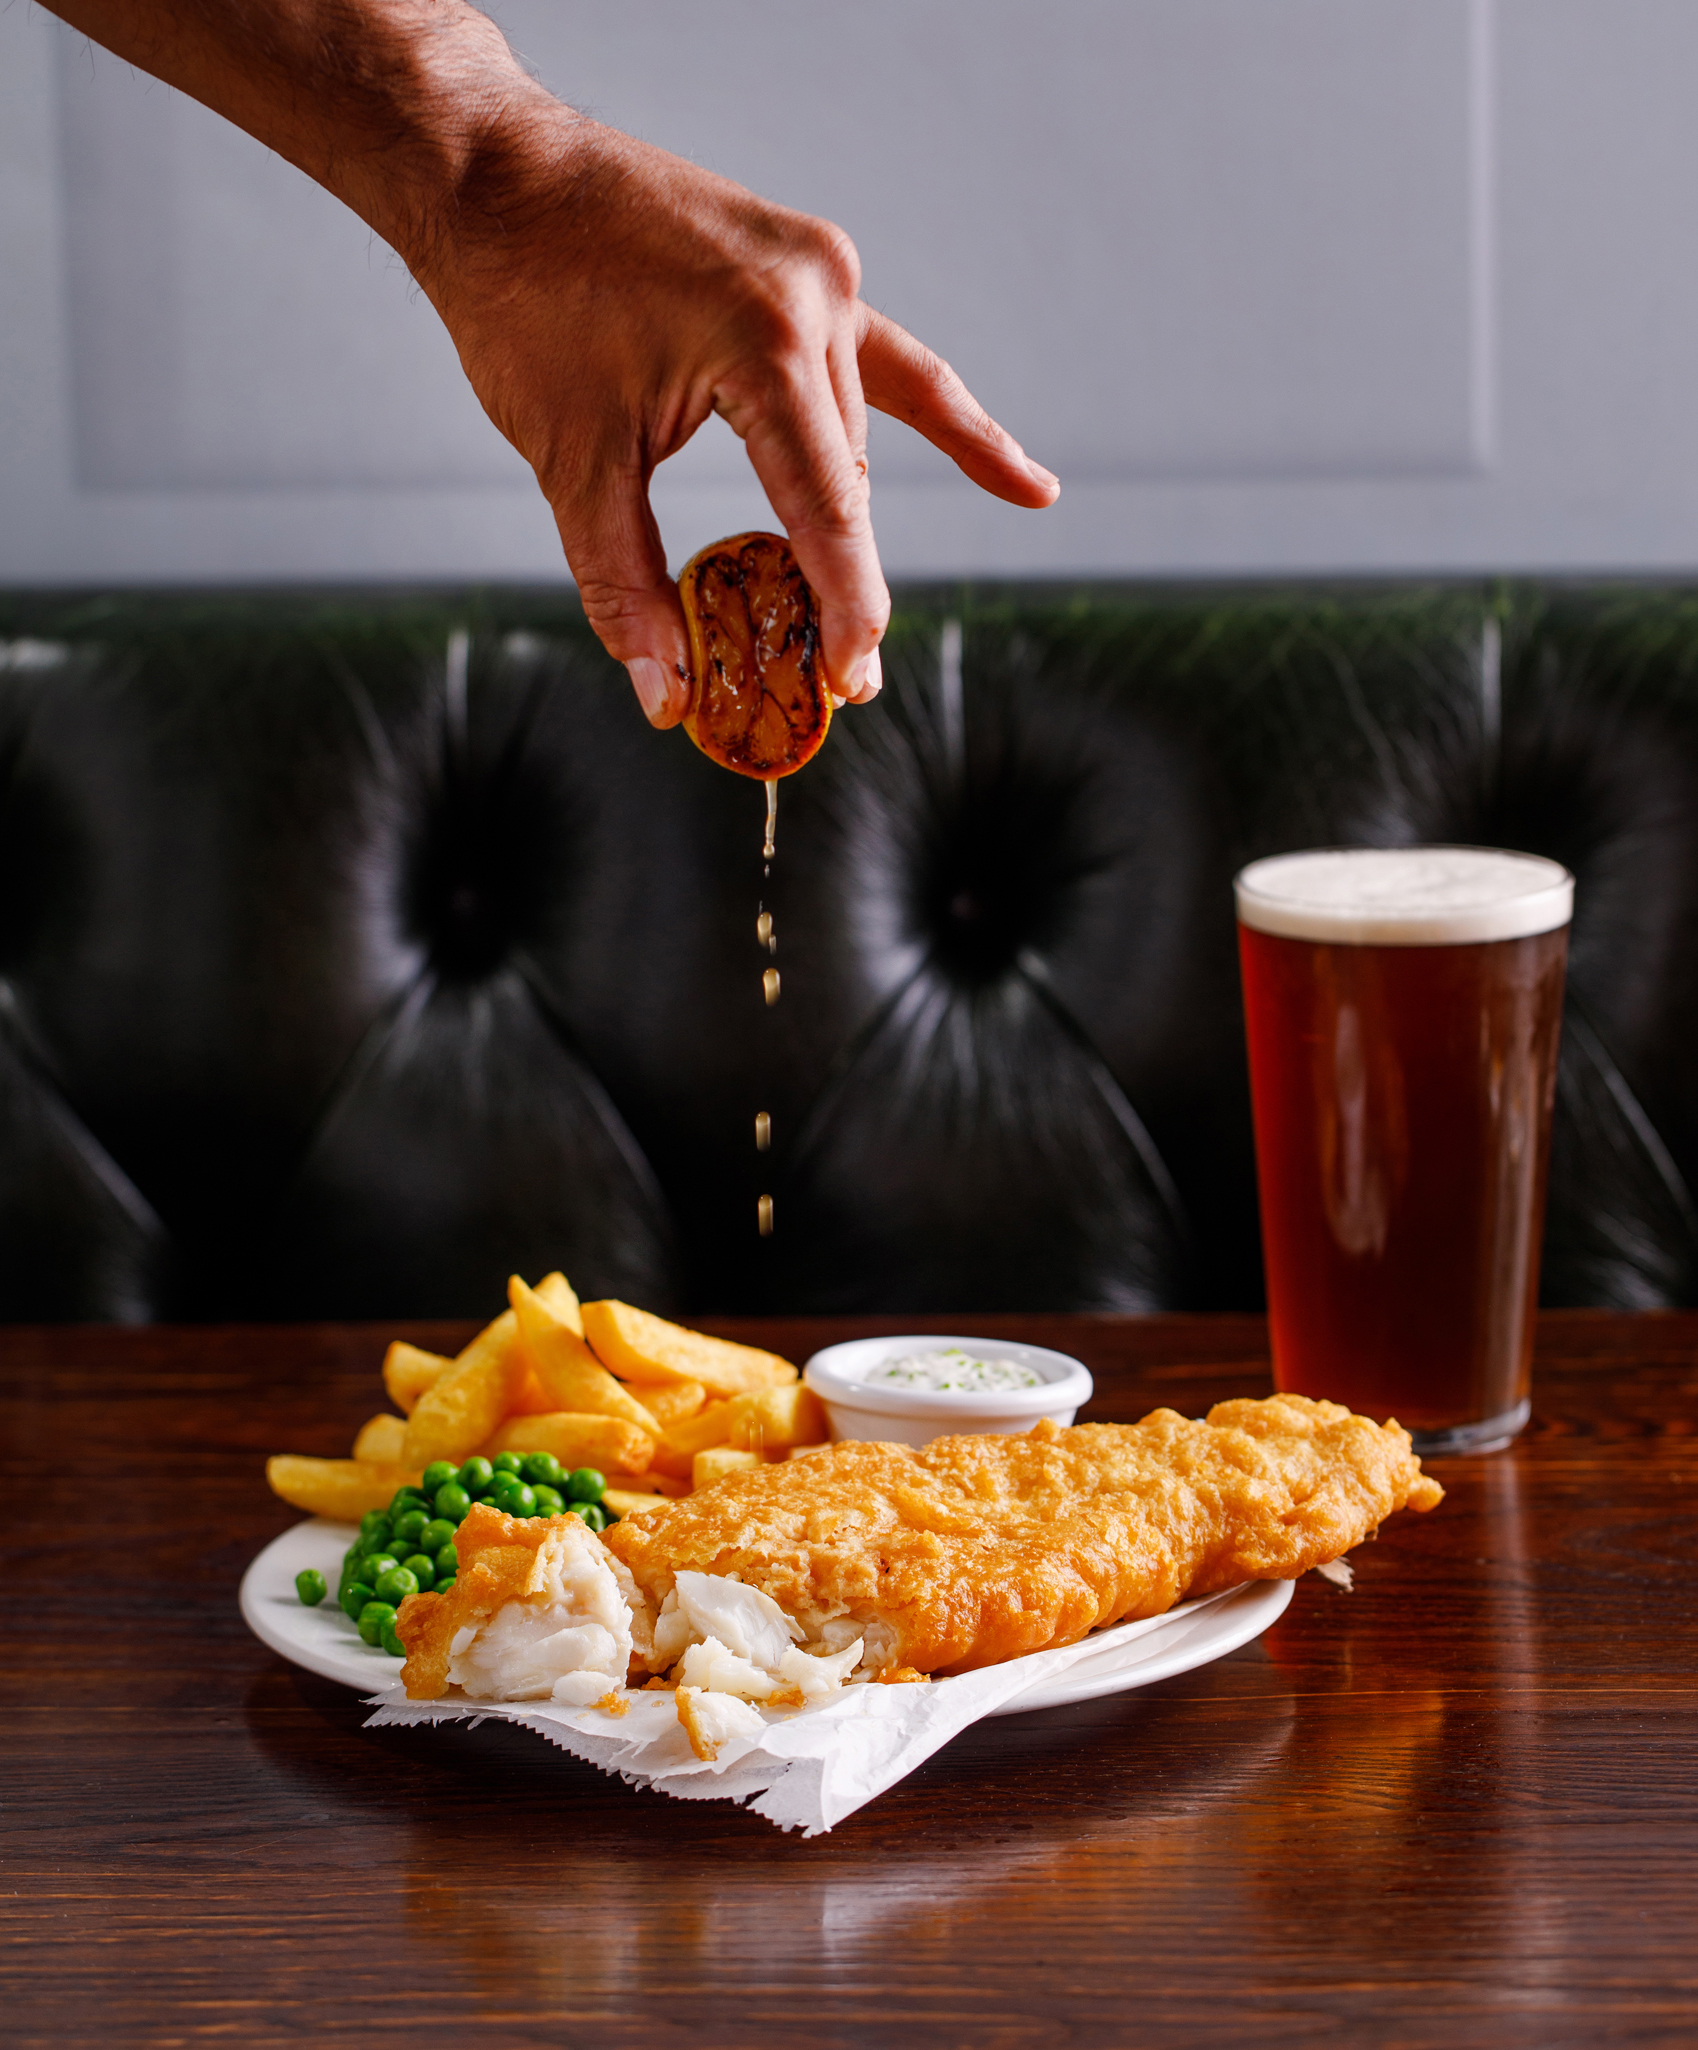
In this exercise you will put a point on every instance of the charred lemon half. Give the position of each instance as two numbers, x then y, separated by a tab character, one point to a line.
762	703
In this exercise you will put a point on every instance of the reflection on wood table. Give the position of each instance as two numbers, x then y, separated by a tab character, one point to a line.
1458	1805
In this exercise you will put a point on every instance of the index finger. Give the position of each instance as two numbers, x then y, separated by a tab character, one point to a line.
816	481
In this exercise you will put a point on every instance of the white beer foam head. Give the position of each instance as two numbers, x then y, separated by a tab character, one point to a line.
1405	896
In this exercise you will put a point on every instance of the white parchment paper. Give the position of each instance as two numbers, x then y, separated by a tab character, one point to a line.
809	1767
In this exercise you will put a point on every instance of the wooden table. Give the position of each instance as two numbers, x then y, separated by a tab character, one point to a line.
1457	1806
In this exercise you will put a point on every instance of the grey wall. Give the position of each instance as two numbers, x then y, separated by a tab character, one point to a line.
1276	285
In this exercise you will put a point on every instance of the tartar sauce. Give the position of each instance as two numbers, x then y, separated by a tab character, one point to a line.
953	1372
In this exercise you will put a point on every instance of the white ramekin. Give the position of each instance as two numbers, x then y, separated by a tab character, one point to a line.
914	1416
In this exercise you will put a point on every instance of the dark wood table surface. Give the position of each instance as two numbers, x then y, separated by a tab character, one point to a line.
1456	1806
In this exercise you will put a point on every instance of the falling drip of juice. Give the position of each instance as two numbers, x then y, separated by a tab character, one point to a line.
768	938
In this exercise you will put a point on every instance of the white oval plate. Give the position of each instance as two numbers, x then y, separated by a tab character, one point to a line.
1130	1654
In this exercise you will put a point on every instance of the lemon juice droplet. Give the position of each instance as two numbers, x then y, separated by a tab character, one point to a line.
771	847
763	1216
765	934
769	983
763	1132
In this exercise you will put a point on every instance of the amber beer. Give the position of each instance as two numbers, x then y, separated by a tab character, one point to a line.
1402	1008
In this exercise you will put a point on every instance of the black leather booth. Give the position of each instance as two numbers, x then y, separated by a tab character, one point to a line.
359	948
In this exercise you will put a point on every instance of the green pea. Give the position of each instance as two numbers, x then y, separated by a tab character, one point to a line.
476	1475
391	1643
377	1565
447	1563
452	1504
585	1485
442	1586
517	1500
550	1502
372	1618
437	1533
507	1462
376	1539
541	1469
409	1529
309	1585
354	1598
422	1570
404	1499
370	1520
591	1513
395	1585
437	1475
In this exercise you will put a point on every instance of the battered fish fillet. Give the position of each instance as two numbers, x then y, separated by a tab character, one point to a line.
538	1611
971	1550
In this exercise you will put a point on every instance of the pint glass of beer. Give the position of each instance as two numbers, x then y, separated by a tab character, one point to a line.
1403	1008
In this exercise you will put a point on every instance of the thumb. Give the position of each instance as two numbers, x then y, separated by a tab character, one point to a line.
613	549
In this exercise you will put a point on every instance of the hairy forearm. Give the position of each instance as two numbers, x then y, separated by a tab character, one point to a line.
413	112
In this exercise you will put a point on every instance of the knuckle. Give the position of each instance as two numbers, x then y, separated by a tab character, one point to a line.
779	328
837	259
618	613
832	512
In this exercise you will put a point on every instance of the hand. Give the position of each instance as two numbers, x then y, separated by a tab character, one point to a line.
606	297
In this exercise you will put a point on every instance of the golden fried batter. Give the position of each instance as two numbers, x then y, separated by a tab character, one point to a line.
498	1556
972	1550
538	1609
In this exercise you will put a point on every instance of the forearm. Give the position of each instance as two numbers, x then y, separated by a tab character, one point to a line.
413	112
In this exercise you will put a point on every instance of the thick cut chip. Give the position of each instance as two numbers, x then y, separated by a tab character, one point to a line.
762	701
575	1440
408	1370
456	1414
563	1365
629	1501
719	1460
409	1374
342	1489
562	1298
382	1440
639	1347
648	1482
765	1420
670	1402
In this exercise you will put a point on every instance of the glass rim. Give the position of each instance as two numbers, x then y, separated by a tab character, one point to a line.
1423	896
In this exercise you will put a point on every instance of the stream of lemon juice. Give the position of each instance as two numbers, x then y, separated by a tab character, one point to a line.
766	936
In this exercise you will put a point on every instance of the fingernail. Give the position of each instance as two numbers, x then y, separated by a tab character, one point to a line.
1045	477
871	680
652	685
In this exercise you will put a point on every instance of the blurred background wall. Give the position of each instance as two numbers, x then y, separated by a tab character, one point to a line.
1277	285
